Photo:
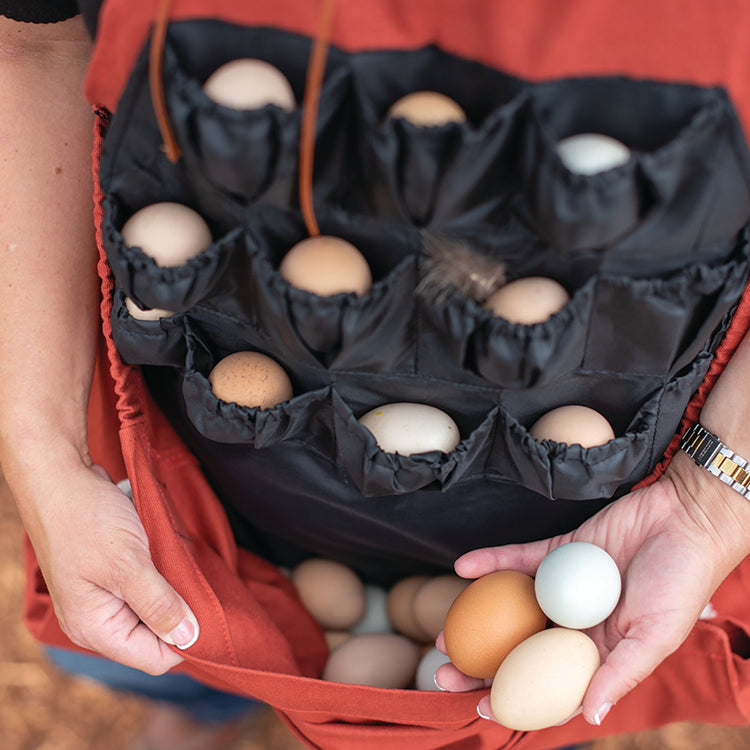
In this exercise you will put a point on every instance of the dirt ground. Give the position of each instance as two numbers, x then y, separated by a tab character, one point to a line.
41	709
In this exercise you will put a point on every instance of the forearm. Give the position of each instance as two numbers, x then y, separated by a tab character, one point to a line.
48	291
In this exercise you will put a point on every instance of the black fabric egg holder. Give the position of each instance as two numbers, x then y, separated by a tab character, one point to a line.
654	254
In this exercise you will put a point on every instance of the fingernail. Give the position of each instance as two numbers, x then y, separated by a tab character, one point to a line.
481	715
437	684
600	715
185	634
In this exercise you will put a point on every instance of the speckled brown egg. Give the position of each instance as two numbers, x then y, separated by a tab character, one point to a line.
489	619
250	379
326	265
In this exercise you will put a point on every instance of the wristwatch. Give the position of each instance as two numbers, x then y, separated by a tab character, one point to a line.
707	450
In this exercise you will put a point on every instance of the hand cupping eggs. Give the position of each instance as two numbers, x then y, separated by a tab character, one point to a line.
247	84
500	623
170	233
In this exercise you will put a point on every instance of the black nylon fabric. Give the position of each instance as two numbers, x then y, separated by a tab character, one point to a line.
653	253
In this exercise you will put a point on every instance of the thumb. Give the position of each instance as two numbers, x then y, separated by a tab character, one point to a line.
627	665
159	606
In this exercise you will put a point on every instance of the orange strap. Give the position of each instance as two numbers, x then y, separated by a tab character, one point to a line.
156	81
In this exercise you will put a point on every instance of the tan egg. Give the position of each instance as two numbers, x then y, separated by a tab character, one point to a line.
573	425
400	607
246	84
152	313
489	619
326	265
427	108
543	680
407	428
434	599
334	638
383	660
250	379
590	153
170	233
333	593
529	300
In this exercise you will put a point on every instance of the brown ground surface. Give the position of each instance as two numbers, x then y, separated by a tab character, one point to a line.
41	709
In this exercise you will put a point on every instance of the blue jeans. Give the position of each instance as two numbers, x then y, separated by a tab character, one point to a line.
201	702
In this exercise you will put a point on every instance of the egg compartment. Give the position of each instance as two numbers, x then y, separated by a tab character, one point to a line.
659	325
644	415
369	332
427	175
252	154
147	342
684	188
377	473
506	354
174	287
303	417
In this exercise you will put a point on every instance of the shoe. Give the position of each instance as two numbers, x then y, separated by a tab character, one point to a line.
168	728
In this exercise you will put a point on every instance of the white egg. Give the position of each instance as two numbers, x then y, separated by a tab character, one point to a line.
247	83
407	428
428	665
577	585
589	153
375	618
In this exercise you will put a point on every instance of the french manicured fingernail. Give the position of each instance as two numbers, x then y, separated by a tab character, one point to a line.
481	715
186	633
437	684
600	715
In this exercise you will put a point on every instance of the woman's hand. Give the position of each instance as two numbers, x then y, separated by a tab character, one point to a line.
94	555
674	542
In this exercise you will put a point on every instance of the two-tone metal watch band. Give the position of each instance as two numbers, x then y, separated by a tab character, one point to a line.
707	450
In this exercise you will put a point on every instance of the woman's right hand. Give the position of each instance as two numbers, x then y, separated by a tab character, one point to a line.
94	554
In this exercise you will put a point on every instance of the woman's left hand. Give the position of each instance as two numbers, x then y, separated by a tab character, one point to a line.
674	542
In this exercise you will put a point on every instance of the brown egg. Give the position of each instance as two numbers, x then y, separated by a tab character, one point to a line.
573	425
400	606
325	266
333	593
170	233
543	680
247	83
427	108
384	660
530	300
434	599
489	619
250	379
334	638
152	313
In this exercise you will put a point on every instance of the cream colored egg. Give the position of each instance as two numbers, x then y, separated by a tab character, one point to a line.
590	153
333	593
543	680
400	606
529	300
170	233
434	600
250	379
383	660
408	428
573	425
326	265
247	83
427	108
152	313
